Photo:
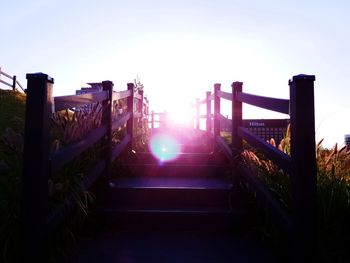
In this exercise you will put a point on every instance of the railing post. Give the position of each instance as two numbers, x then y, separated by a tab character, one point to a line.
237	145
14	78
152	120
107	107
217	87
35	175
208	124
304	176
130	123
140	110
198	114
217	114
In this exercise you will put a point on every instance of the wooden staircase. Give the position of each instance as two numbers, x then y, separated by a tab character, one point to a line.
193	192
184	210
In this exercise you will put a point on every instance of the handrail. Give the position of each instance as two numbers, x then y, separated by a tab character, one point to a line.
280	158
225	95
73	101
278	105
71	151
121	94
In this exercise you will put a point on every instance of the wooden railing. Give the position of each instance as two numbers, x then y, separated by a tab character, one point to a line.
14	82
300	224
159	118
40	165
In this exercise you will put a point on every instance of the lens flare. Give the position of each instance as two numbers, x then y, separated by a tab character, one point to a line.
164	147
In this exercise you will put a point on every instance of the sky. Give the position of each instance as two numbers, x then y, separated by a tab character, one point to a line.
179	49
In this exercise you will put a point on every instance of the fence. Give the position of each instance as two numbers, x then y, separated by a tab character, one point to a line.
39	164
301	224
14	82
158	119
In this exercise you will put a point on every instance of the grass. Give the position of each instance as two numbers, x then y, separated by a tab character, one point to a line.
66	127
12	114
333	187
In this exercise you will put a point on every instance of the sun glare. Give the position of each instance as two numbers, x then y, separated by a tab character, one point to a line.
164	147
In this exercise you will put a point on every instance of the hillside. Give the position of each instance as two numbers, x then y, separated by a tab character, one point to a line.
12	110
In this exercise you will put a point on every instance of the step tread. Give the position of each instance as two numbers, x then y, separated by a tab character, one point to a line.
171	183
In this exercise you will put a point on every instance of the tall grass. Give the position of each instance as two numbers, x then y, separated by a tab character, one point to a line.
333	189
66	127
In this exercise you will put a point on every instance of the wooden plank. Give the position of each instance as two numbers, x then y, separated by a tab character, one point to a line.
278	105
56	216
4	82
283	160
72	101
279	213
120	147
69	152
223	146
225	95
120	121
118	95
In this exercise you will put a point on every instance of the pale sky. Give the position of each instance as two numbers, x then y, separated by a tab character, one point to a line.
179	49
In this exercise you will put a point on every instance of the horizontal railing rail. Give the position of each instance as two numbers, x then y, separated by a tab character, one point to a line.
273	104
73	101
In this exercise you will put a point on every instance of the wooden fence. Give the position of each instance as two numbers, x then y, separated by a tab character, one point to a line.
160	118
301	224
14	82
39	164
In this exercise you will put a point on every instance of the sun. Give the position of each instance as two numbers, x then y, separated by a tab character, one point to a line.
181	116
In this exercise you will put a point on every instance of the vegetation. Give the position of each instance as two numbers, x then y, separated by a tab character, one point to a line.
12	111
333	186
66	127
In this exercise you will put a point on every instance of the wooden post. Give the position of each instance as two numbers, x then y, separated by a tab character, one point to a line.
130	123
35	175
107	106
237	145
140	110
14	78
217	87
152	120
304	175
208	124
198	107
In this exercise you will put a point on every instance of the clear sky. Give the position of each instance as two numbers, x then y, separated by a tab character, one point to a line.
179	49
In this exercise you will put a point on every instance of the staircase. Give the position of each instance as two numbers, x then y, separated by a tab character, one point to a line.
194	192
184	210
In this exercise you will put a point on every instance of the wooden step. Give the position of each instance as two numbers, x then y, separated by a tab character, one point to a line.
168	193
171	202
175	170
182	158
